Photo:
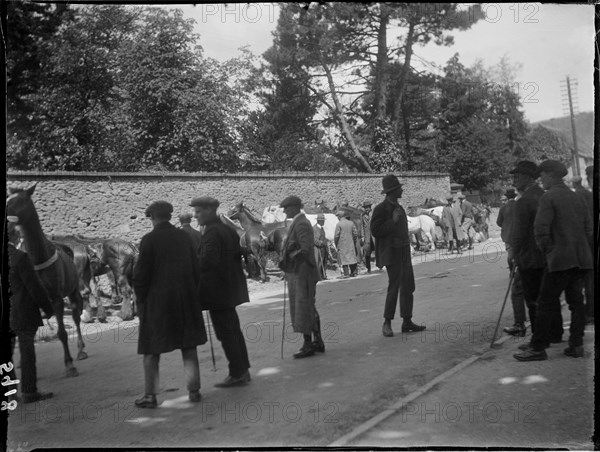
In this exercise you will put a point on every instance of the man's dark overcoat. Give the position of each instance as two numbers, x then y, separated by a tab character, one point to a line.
390	237
222	281
526	253
165	279
195	235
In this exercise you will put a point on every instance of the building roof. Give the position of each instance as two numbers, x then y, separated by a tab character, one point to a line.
584	127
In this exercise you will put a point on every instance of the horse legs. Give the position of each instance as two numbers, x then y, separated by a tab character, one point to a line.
101	313
126	312
76	306
59	310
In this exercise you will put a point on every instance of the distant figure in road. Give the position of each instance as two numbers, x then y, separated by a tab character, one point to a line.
451	221
563	232
298	263
222	287
196	236
505	221
27	297
466	219
389	226
321	246
367	239
588	199
526	255
165	281
345	238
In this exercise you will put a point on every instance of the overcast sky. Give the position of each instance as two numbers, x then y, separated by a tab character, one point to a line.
548	41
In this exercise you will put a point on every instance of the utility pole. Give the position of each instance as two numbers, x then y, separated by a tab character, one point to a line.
570	95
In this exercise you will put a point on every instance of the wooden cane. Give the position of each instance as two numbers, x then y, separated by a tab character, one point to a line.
212	350
512	277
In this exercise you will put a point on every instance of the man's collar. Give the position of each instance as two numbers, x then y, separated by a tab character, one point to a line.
392	201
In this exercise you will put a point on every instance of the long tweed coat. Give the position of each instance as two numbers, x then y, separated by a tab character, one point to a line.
301	274
451	218
165	279
346	236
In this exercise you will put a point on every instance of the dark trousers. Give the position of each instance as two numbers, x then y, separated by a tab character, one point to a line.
588	284
401	281
27	352
191	368
553	284
227	329
518	299
350	270
367	253
531	279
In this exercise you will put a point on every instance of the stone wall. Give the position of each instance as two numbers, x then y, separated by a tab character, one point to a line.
113	204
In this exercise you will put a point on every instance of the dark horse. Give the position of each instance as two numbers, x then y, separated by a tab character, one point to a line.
54	267
252	267
255	237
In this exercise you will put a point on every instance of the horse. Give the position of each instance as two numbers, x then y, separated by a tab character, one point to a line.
54	267
252	267
424	224
481	215
256	233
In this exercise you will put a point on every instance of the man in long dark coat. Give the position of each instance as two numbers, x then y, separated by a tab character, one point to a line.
563	232
165	280
367	239
389	226
27	297
186	224
223	287
321	246
298	263
527	256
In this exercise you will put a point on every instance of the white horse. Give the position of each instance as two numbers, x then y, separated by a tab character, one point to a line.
273	214
425	224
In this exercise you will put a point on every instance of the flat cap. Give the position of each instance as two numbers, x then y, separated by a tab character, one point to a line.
450	198
589	171
185	218
320	217
205	201
161	208
461	196
367	204
525	167
510	193
291	201
554	167
340	213
576	179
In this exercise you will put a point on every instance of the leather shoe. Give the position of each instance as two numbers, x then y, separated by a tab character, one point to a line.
531	355
148	401
528	346
35	396
195	396
410	327
235	381
306	351
319	346
387	330
574	352
515	330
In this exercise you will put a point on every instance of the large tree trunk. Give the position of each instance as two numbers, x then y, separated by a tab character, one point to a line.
381	78
406	124
404	74
339	112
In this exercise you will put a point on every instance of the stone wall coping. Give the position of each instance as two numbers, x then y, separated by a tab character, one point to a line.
13	174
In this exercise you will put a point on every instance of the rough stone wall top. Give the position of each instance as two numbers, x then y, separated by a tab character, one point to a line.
113	204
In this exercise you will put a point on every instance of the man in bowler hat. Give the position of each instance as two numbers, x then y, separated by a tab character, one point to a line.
389	226
563	232
165	280
222	287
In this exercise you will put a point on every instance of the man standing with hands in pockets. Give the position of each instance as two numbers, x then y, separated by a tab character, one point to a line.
389	226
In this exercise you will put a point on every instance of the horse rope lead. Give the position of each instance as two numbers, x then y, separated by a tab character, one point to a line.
510	282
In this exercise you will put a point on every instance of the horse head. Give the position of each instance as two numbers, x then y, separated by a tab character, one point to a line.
235	211
19	206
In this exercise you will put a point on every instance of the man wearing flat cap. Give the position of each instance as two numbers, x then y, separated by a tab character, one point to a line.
466	218
563	232
186	224
389	226
222	287
301	274
451	221
367	239
345	238
525	253
165	280
321	247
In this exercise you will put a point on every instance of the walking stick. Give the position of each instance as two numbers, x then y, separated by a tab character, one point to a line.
512	277
212	350
284	302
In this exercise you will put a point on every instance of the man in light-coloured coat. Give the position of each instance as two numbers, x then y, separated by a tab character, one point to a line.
345	238
563	232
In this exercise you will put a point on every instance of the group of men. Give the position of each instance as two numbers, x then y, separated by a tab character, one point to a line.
548	232
458	220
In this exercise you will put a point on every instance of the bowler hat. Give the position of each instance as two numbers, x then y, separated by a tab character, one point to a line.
510	193
185	218
554	167
449	198
320	217
367	204
525	167
589	171
159	208
291	201
205	201
390	183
